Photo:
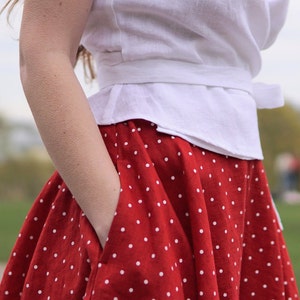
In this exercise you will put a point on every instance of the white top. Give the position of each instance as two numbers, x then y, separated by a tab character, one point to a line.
186	65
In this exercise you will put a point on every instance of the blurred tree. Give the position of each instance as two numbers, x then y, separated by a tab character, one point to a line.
24	163
22	178
4	138
280	132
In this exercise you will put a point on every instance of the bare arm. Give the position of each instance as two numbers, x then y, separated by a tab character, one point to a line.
50	34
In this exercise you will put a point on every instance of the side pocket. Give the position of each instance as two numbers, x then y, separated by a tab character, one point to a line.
116	229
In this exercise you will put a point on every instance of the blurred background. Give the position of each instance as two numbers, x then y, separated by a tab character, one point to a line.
25	166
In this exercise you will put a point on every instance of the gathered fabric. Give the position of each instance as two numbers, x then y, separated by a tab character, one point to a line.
190	224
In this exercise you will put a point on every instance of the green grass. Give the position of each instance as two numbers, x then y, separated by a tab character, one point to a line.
290	217
12	215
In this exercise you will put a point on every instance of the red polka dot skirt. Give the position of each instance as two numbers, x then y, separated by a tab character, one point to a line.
190	224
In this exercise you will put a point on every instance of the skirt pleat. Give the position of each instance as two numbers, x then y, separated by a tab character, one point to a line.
190	224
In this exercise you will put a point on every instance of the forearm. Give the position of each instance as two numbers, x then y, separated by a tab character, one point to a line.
70	133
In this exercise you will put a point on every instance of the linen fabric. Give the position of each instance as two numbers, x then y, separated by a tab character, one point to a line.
187	66
190	224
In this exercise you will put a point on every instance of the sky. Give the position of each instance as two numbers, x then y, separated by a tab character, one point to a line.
281	64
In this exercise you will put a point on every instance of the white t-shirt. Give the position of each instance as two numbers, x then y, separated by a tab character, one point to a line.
186	65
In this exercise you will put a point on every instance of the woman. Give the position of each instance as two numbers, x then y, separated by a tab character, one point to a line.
171	200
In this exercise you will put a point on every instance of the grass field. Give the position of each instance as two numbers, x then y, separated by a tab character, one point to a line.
12	215
290	217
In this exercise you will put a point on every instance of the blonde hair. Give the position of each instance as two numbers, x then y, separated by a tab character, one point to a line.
82	53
